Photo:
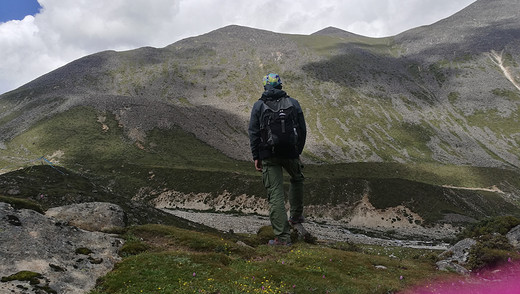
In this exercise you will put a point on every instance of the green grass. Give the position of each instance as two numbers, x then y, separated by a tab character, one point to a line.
496	121
179	261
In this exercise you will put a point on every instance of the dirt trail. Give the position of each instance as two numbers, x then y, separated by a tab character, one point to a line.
494	189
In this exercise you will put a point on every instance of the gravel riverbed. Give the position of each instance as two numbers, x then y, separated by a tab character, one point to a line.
323	231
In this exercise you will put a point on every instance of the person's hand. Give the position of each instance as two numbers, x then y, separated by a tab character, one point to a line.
258	165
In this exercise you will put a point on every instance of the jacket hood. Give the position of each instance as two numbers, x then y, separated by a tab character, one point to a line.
272	93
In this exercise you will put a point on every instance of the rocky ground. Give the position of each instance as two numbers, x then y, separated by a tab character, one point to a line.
42	254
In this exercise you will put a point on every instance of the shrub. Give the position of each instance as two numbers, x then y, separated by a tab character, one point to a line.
490	251
496	225
492	246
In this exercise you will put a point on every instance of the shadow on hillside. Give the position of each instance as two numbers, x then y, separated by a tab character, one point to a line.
497	36
358	66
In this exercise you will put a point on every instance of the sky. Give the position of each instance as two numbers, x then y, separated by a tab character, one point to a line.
38	36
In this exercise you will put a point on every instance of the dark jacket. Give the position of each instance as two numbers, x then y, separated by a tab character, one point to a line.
260	150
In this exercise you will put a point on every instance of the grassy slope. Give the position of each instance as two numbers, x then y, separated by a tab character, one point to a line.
170	260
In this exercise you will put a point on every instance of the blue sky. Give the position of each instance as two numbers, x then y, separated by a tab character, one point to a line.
17	9
35	40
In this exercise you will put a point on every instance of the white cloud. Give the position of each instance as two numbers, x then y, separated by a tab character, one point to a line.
67	30
24	54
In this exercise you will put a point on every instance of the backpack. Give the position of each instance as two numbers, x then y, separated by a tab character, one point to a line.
279	124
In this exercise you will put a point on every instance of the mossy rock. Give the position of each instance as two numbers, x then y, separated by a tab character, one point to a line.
84	251
19	203
32	277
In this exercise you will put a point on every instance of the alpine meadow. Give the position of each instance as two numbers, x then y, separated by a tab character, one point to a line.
414	136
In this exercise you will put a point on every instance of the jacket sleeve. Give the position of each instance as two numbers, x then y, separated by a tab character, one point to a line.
254	131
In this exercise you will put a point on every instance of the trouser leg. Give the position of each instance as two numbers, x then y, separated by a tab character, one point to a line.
272	176
294	168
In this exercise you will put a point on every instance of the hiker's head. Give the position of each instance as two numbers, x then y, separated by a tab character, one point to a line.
272	80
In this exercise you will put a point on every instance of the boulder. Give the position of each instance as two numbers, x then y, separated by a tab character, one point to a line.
91	216
459	252
58	257
456	256
514	237
446	265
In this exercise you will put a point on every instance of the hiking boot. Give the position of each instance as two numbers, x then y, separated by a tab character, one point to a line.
276	242
296	220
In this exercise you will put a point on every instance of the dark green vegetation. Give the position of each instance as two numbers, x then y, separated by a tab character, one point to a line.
173	260
490	226
493	247
32	277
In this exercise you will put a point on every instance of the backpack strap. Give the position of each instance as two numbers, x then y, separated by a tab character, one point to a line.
280	103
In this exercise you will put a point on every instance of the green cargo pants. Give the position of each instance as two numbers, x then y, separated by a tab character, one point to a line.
272	176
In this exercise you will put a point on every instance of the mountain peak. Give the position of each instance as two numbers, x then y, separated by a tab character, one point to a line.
335	32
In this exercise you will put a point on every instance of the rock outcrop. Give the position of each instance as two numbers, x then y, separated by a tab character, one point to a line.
514	237
456	256
41	254
91	216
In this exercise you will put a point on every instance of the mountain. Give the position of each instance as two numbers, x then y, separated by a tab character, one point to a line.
444	97
447	92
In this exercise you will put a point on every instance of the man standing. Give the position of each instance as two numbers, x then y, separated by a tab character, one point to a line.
277	134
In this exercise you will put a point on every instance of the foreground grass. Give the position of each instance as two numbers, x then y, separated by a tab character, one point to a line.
165	259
